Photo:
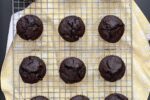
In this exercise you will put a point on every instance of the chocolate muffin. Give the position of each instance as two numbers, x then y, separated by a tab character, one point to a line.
29	27
32	69
111	28
71	28
39	98
79	97
112	68
116	96
72	70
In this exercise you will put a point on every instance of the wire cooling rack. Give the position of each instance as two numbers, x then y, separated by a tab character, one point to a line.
90	49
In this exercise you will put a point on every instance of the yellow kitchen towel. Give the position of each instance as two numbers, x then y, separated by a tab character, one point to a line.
141	62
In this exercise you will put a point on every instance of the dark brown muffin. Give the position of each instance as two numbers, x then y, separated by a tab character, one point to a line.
29	27
112	68
32	69
39	98
72	70
79	97
116	96
71	28
111	28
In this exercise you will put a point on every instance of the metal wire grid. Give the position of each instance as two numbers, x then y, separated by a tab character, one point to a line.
91	49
